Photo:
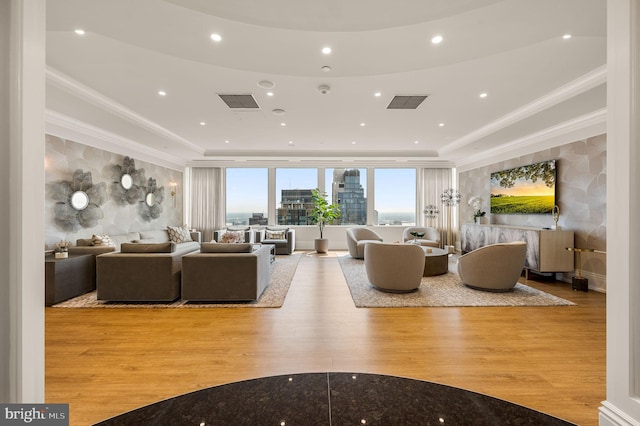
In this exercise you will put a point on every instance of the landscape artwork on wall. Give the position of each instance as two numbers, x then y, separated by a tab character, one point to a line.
529	189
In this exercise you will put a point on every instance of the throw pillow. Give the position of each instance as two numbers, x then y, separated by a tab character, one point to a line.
178	234
274	235
239	229
102	240
232	237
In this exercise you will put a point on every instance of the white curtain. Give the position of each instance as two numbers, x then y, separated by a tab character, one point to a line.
207	200
431	184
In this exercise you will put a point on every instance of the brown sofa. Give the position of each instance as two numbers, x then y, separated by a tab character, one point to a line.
142	272
226	272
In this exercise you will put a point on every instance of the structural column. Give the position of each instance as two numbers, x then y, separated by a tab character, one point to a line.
622	406
22	86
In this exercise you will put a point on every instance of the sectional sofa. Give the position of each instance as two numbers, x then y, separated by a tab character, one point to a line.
142	272
226	272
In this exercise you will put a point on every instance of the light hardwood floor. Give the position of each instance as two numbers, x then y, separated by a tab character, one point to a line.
107	361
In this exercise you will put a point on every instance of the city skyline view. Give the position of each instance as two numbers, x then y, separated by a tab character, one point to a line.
247	191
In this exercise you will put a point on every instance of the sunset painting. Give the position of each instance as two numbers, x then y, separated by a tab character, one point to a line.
524	190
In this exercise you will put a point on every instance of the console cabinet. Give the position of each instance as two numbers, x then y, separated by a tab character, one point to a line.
546	248
68	277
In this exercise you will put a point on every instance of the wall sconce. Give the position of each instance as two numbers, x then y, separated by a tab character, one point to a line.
173	186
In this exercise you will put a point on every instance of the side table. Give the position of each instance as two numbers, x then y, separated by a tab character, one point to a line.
69	277
578	283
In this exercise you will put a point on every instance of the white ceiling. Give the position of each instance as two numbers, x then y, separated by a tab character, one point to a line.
106	81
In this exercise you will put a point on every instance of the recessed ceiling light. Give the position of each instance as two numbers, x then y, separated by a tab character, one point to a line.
326	50
363	124
162	93
290	142
216	37
483	95
226	141
566	36
326	68
269	93
79	31
437	39
202	123
416	142
283	124
266	84
353	142
441	124
377	94
278	111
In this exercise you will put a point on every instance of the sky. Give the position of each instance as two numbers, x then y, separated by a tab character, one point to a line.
247	188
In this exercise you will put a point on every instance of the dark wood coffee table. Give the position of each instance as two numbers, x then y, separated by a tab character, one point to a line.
436	261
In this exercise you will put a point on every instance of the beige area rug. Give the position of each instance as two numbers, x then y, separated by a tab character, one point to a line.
282	271
441	290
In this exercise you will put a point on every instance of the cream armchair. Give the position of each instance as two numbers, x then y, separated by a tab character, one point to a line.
495	267
430	238
358	238
394	268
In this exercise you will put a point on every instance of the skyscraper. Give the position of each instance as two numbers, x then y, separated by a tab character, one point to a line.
296	207
348	193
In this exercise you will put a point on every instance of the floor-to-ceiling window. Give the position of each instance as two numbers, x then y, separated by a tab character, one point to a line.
293	195
348	189
395	196
247	195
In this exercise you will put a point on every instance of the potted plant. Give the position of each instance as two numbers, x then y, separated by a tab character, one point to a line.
476	203
323	213
62	249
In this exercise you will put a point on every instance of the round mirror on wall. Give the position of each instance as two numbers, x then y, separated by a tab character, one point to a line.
79	200
126	181
150	199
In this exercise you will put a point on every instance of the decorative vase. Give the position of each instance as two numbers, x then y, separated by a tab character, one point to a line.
322	245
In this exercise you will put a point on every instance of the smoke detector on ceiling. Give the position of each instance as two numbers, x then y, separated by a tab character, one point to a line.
324	89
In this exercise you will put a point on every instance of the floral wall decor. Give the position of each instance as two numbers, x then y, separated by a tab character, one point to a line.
71	215
63	156
128	183
151	206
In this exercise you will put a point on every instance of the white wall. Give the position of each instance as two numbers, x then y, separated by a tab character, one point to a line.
305	235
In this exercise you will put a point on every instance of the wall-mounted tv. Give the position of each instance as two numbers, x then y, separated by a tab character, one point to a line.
527	189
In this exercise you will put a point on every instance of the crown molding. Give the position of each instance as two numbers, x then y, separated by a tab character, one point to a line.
582	127
580	85
65	127
68	84
321	161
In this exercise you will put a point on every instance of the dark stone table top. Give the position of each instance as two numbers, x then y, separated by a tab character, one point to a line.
333	399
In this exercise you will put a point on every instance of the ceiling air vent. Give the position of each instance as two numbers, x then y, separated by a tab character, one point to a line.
406	102
239	101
